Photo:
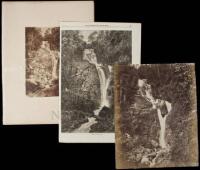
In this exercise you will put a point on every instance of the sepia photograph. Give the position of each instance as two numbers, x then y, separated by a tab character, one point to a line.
31	57
42	61
156	116
87	84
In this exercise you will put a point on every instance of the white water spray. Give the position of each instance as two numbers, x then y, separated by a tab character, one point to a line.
54	66
162	120
146	92
90	56
53	56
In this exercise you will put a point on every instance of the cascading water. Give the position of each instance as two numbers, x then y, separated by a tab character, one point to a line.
104	83
54	63
104	79
90	56
146	92
162	121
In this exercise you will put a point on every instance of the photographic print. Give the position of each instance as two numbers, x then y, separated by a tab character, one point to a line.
31	57
156	116
42	61
87	58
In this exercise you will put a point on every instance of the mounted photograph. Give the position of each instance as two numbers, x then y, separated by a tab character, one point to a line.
88	53
42	61
156	116
31	56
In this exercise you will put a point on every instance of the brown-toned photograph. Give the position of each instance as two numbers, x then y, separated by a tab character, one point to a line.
42	61
156	116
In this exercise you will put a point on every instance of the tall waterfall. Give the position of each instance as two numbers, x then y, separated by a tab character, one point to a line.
53	57
104	83
162	121
90	56
54	66
146	92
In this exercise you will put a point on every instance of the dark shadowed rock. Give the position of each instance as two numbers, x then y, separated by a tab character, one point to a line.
105	112
105	121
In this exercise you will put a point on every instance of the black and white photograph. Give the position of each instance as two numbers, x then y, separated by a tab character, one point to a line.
87	93
156	116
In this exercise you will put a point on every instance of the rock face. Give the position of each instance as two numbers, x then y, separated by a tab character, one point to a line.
104	79
73	119
144	121
83	89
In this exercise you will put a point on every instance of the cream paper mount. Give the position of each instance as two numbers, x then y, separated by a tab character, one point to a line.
30	57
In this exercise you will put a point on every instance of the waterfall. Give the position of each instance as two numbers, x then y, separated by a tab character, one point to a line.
90	56
54	58
162	121
104	78
54	69
146	92
104	84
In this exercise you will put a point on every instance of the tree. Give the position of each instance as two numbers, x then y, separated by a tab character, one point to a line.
33	38
112	46
53	37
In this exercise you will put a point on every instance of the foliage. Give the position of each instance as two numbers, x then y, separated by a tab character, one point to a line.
53	38
139	123
33	38
112	46
80	79
40	61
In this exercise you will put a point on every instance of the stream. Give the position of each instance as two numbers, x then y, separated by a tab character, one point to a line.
85	127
